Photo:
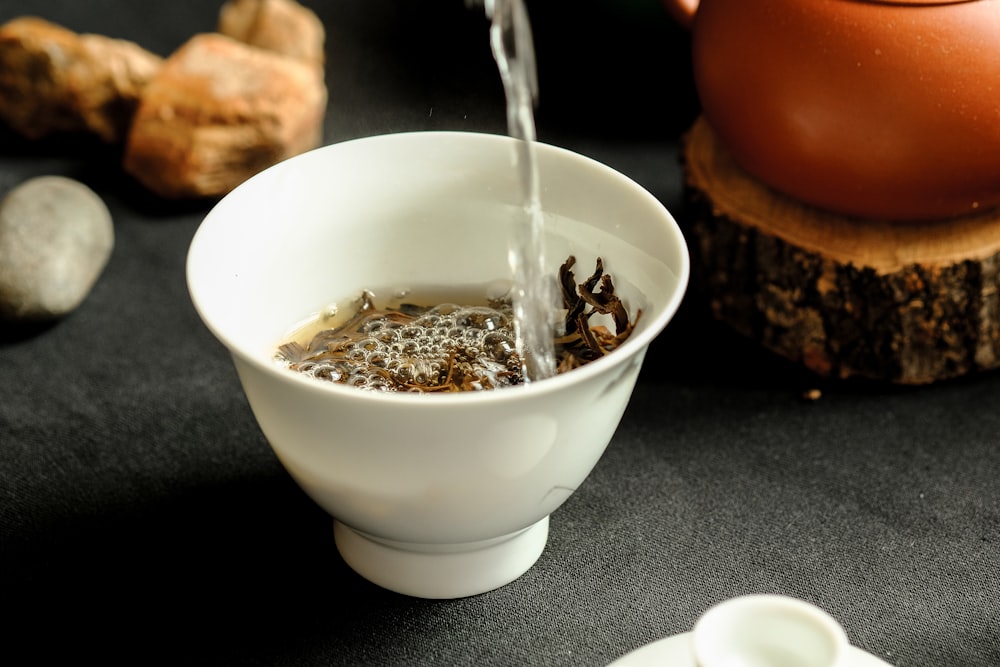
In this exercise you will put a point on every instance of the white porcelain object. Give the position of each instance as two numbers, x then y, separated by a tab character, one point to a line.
756	631
675	651
435	496
768	631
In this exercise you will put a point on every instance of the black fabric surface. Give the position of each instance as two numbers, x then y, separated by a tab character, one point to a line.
144	519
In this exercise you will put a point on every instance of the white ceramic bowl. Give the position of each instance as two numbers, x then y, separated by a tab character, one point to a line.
435	496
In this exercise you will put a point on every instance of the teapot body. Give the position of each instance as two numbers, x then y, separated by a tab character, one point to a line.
882	110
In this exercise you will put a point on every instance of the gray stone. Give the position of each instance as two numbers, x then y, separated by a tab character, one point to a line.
56	236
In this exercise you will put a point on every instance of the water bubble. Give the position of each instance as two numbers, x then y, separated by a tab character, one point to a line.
368	344
377	359
498	346
330	372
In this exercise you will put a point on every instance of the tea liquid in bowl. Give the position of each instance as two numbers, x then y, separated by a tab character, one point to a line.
424	342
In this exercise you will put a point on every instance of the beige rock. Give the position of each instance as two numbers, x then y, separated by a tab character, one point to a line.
56	237
218	112
282	26
53	80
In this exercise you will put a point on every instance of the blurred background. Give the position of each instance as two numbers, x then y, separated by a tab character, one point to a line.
608	69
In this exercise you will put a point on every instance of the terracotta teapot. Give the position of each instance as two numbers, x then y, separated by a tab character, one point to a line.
880	109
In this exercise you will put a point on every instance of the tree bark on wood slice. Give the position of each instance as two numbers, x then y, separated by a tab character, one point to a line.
905	302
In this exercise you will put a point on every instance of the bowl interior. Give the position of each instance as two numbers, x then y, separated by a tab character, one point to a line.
415	210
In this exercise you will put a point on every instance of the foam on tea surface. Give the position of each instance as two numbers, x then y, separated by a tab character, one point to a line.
410	347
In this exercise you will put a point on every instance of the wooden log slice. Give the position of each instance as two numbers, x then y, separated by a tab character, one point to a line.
905	302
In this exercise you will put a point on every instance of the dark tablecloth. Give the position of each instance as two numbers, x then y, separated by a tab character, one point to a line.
144	519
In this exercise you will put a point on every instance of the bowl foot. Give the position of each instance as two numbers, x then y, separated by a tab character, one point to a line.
442	571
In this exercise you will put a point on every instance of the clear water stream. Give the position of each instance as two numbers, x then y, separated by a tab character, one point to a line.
534	294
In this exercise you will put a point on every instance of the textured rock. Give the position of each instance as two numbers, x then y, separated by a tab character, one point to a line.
53	80
56	236
218	112
282	26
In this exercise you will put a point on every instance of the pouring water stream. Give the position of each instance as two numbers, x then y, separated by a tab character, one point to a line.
534	294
